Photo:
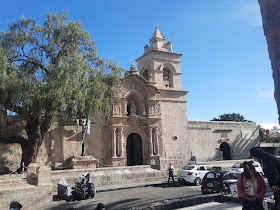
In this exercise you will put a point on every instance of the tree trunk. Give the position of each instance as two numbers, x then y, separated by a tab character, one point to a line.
35	140
35	132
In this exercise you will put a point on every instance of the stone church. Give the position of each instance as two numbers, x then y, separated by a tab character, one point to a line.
149	125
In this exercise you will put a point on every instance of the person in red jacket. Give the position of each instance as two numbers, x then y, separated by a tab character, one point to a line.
251	187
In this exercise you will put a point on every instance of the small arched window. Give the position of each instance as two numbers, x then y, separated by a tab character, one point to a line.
146	74
167	77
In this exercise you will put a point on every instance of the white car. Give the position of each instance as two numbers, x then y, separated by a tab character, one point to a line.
193	173
239	167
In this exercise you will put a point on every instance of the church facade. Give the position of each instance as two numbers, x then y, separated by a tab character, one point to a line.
149	125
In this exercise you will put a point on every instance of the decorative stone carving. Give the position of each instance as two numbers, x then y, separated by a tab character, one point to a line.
132	109
117	108
152	110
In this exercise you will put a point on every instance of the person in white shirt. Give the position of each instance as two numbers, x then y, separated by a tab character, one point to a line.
171	173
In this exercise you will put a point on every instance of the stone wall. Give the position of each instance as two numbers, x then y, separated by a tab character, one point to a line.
205	138
111	176
99	143
174	131
31	197
60	144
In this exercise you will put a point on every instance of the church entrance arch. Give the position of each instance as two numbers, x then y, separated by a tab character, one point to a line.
134	154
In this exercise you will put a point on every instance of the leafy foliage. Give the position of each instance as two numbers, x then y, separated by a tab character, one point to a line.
262	135
54	67
51	68
231	117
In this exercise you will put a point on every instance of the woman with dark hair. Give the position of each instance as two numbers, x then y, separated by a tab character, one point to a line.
15	205
251	187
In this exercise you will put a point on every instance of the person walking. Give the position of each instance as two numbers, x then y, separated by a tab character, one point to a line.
251	188
271	169
171	173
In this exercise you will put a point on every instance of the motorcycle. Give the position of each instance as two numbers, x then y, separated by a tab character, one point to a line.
84	188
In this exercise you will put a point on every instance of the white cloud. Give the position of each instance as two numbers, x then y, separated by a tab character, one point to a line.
268	125
265	94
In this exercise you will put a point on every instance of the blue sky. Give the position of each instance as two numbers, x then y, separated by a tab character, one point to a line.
225	64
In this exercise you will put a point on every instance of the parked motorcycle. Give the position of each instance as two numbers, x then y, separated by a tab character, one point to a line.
84	188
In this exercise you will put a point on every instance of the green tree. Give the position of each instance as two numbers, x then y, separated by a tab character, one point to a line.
231	117
262	135
51	68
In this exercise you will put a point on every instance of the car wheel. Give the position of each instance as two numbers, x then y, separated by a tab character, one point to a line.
197	181
204	192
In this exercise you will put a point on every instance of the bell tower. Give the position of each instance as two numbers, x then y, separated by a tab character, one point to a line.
159	64
161	68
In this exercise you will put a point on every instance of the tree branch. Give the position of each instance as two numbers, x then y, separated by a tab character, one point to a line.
31	62
13	139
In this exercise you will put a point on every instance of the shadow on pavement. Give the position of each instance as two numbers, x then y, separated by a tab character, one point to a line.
165	185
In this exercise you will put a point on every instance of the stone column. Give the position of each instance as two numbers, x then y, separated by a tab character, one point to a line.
125	108
117	142
151	141
156	142
121	142
143	109
114	142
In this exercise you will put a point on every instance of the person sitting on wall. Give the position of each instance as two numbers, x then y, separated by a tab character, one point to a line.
171	173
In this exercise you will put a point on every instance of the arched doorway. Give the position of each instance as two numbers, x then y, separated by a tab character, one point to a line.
134	154
225	148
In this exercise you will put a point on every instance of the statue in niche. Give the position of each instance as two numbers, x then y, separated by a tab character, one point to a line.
153	109
132	109
117	108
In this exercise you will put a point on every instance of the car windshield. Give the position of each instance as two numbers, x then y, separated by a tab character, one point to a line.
212	175
188	167
237	165
228	176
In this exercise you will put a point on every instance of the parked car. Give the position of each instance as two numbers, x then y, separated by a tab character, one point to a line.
218	181
193	173
238	167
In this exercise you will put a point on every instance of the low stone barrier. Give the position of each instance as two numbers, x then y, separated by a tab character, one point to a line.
224	164
31	197
111	176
